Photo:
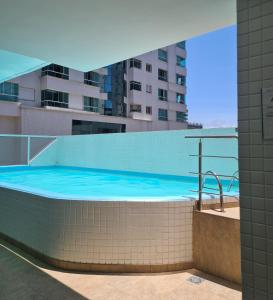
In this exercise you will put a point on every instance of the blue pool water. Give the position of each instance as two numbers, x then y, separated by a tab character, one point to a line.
82	183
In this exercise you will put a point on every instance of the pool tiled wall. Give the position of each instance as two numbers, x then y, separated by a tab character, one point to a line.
100	232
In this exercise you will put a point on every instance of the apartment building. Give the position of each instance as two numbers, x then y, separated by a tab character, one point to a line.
140	94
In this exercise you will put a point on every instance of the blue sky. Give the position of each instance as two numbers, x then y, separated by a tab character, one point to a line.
212	78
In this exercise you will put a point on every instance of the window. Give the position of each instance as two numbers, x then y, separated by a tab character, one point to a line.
135	85
9	91
180	79
181	116
107	81
149	68
135	63
90	127
180	98
54	98
108	106
124	64
162	114
135	108
162	55
124	88
180	61
162	75
148	88
162	95
181	45
91	104
56	71
148	110
93	78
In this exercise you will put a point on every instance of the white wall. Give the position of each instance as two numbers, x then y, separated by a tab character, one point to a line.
59	121
9	125
29	88
161	152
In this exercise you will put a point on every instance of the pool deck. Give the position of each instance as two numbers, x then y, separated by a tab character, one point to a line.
232	212
23	277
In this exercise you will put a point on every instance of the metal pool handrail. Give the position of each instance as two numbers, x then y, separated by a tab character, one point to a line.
200	172
234	177
220	187
28	137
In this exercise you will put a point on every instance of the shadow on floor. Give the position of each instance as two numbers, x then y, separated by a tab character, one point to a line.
20	278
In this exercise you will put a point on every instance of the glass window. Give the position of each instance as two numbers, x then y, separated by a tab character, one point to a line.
162	95
90	127
91	104
9	91
181	116
180	61
149	68
148	88
181	45
148	110
124	88
135	85
135	63
135	108
180	98
162	114
107	84
93	78
56	71
54	98
180	79
108	106
125	66
162	75
162	55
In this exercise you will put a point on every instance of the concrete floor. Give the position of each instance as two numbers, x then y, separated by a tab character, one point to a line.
23	277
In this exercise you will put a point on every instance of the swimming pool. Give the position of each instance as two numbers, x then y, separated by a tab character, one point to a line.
94	184
100	220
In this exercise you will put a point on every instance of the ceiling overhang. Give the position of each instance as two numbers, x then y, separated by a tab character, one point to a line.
13	65
88	34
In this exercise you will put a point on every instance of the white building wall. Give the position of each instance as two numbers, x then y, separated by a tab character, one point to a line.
29	88
151	78
9	125
59	121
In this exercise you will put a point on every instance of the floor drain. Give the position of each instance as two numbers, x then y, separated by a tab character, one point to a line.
195	279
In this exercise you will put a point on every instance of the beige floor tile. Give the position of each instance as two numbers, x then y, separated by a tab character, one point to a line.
23	277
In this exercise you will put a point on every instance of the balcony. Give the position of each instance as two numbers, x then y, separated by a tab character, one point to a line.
140	116
69	86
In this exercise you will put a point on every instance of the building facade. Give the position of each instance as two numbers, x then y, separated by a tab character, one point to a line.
144	93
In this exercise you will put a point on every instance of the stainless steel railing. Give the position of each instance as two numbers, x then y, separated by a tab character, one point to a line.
220	188
233	179
202	174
